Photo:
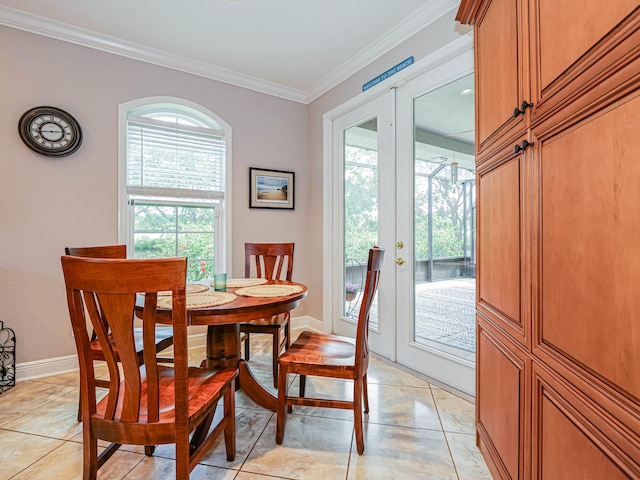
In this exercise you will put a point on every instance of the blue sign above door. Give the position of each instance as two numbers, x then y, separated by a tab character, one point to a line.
392	71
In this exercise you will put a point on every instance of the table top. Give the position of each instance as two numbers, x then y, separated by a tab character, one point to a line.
242	308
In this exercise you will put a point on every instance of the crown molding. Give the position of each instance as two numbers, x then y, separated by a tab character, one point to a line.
31	23
67	33
429	13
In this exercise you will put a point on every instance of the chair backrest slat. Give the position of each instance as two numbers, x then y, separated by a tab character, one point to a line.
102	251
374	266
269	260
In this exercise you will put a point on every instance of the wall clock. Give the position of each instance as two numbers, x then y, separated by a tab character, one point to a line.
50	131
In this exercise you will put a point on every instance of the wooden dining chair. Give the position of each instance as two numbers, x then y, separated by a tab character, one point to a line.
269	260
151	403
164	335
326	355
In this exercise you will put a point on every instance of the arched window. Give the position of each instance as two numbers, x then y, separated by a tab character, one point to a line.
175	158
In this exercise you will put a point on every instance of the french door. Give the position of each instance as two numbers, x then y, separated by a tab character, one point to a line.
363	173
435	224
389	185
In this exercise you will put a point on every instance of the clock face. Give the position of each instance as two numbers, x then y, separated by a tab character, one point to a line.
50	131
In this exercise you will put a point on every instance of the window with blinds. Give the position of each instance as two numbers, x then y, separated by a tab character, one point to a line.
186	158
175	177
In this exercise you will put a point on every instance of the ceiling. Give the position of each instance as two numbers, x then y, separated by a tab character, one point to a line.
296	49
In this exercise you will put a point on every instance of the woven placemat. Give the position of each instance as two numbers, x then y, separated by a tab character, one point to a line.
201	300
245	282
191	288
269	290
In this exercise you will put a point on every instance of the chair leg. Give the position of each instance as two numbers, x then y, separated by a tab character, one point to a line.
275	354
79	407
200	433
357	415
230	429
281	414
90	454
365	393
303	384
287	337
247	347
183	457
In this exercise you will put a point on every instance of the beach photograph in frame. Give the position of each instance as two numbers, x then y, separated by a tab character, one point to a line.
271	188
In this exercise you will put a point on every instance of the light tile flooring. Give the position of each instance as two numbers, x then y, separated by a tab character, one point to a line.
414	430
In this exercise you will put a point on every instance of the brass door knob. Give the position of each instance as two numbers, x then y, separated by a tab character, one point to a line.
400	261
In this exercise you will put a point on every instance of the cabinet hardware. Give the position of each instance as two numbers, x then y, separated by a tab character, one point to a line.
517	111
523	147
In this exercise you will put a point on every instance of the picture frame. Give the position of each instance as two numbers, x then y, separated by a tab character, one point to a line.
271	189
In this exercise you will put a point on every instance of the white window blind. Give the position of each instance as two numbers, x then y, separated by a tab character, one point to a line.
163	155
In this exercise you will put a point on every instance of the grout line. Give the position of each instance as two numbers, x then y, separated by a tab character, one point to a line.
444	434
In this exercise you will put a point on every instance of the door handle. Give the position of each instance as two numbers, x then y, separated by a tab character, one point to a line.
400	261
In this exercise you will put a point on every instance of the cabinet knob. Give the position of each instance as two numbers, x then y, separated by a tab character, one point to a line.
520	110
521	148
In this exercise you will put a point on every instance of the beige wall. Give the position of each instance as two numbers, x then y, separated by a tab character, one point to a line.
48	204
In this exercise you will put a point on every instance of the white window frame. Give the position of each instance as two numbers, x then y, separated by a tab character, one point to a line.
223	251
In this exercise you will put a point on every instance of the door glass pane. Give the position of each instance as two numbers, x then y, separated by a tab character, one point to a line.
360	212
444	219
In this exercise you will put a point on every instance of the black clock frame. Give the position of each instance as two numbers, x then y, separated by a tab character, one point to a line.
24	127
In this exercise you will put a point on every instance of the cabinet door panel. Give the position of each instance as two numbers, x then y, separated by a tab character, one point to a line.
590	269
568	445
501	396
568	29
499	242
497	79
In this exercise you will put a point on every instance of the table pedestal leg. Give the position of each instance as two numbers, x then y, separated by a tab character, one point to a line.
223	345
223	350
254	390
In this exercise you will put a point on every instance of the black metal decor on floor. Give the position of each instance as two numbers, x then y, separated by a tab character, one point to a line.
7	358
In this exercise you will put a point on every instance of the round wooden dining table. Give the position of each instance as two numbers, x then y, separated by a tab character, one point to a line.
223	333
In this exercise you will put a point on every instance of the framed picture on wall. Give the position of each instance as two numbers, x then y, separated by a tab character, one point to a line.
271	188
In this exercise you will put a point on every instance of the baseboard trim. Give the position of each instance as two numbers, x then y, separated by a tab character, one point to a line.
69	363
306	322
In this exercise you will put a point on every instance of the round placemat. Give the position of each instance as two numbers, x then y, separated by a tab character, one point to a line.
191	288
245	282
269	290
201	300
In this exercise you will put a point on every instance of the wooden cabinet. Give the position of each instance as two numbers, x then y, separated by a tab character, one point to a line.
502	410
499	36
574	438
500	206
558	229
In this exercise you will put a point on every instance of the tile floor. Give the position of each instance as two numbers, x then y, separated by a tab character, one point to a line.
414	430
